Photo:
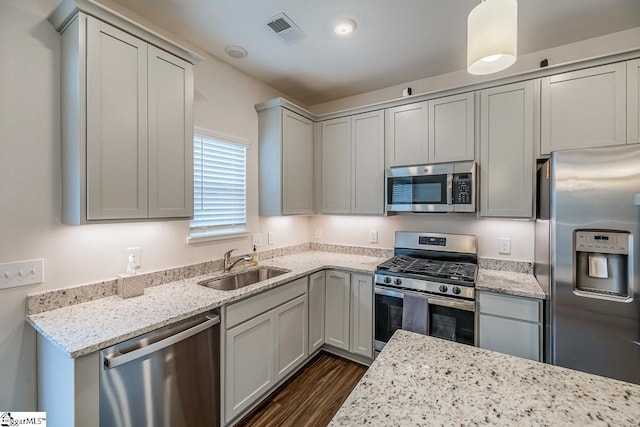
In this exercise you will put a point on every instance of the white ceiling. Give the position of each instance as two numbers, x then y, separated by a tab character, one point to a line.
396	41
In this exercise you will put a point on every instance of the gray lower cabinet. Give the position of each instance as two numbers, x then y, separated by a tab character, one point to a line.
316	311
511	325
349	312
506	151
266	339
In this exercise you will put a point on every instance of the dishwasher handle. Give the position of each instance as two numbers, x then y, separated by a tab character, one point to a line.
117	359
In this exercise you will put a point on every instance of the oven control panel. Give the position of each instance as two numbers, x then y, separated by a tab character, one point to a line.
425	286
432	241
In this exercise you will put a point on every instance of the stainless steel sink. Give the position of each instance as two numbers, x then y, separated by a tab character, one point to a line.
243	279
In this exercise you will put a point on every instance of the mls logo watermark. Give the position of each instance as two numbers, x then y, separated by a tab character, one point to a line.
10	419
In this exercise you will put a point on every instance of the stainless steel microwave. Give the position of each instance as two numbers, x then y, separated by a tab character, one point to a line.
444	187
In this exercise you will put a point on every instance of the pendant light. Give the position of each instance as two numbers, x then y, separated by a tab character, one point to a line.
492	36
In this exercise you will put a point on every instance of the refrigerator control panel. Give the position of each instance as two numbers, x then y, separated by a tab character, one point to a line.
602	241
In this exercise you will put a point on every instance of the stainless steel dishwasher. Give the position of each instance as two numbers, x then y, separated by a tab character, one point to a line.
169	377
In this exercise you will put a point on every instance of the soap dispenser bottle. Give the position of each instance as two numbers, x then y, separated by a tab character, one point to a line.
254	256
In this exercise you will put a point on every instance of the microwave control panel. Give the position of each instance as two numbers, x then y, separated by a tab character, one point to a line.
462	190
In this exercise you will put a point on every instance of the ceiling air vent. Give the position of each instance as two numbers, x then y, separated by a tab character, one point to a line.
285	28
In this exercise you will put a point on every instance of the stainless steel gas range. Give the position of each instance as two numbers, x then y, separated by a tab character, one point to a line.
427	287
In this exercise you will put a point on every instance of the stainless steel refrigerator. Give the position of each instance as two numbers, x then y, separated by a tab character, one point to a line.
588	258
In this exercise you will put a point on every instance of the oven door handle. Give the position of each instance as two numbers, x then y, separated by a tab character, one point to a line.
433	300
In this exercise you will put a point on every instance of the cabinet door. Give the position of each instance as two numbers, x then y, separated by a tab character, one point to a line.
361	315
407	134
584	108
297	164
316	311
336	164
116	123
367	163
249	363
337	306
451	128
291	347
506	151
170	135
510	336
633	102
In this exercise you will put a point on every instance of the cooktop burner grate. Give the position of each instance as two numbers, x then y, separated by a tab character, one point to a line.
465	272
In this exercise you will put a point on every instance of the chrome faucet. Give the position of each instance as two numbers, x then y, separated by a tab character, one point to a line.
228	264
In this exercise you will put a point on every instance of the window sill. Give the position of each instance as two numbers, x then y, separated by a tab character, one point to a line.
212	236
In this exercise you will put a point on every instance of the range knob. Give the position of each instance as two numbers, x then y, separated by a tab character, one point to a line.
456	290
443	288
387	280
397	282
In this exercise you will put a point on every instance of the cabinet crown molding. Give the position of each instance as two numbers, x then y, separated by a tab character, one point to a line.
67	10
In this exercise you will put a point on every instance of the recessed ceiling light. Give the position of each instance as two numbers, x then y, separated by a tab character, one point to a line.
345	27
236	51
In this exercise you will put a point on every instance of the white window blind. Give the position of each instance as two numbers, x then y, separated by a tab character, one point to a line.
219	184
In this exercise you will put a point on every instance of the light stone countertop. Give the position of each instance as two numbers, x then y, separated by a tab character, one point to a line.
510	283
419	380
81	329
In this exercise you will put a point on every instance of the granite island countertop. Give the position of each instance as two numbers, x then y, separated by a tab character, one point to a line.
422	381
81	329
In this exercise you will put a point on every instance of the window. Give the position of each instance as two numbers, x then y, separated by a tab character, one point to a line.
219	185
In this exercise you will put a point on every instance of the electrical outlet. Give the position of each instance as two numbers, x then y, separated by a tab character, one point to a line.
137	256
504	244
21	273
318	233
257	239
270	237
373	236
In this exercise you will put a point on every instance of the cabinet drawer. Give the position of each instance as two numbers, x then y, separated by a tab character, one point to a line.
251	307
508	306
509	336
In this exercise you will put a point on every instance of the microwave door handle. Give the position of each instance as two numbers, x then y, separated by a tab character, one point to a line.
449	189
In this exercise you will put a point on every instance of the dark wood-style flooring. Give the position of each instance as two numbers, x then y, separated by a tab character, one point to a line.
311	397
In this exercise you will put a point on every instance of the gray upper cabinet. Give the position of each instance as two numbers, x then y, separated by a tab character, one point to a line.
435	131
367	163
336	165
127	131
407	134
451	128
117	137
170	120
286	171
584	108
353	164
506	151
633	102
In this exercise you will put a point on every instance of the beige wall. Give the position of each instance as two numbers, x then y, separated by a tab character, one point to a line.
348	230
622	41
30	190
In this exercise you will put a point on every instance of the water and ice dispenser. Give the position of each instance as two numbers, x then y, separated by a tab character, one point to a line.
602	263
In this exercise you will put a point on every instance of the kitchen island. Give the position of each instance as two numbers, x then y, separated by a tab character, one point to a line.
419	380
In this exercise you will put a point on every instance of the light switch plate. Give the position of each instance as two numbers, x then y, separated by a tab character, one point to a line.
21	273
270	237
504	244
318	233
373	236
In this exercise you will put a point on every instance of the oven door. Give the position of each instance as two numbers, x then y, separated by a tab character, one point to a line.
449	318
420	188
